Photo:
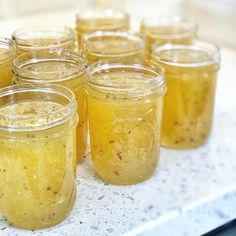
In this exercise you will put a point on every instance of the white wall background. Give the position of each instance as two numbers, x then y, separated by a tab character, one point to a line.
216	18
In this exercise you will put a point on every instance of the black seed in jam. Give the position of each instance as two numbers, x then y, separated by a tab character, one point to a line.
64	145
116	173
118	154
193	122
84	157
49	188
107	96
111	141
191	140
129	131
176	123
176	141
55	193
4	170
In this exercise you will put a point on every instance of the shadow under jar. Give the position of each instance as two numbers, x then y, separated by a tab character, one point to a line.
125	108
191	75
162	30
44	38
63	67
7	54
113	47
37	154
101	20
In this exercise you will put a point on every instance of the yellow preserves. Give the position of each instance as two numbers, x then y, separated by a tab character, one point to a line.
44	38
191	73
119	47
66	68
101	20
7	53
37	155
167	30
125	107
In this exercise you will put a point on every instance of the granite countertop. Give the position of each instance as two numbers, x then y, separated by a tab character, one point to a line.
190	193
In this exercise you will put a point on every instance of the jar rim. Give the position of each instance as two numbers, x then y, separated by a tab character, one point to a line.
150	22
64	113
129	36
8	44
106	14
155	81
41	56
211	50
21	35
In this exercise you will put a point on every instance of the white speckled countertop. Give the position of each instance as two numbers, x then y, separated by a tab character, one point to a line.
190	193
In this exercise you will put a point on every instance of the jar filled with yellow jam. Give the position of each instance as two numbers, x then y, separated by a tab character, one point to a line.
7	53
44	38
66	68
118	47
191	74
172	30
37	154
101	20
125	108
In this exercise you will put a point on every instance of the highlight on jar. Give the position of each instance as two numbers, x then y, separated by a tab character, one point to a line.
125	109
37	154
63	67
44	38
7	53
191	75
174	30
101	20
118	47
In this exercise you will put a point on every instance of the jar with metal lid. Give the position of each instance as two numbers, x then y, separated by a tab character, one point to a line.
63	67
37	154
44	38
101	20
191	75
118	47
125	108
7	53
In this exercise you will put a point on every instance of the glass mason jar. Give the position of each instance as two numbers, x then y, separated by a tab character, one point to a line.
63	67
118	47
174	30
44	38
191	74
7	53
124	107
101	20
37	154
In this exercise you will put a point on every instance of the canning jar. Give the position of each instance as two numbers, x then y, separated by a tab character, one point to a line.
124	107
7	53
101	20
37	154
118	47
191	74
174	30
62	67
44	38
